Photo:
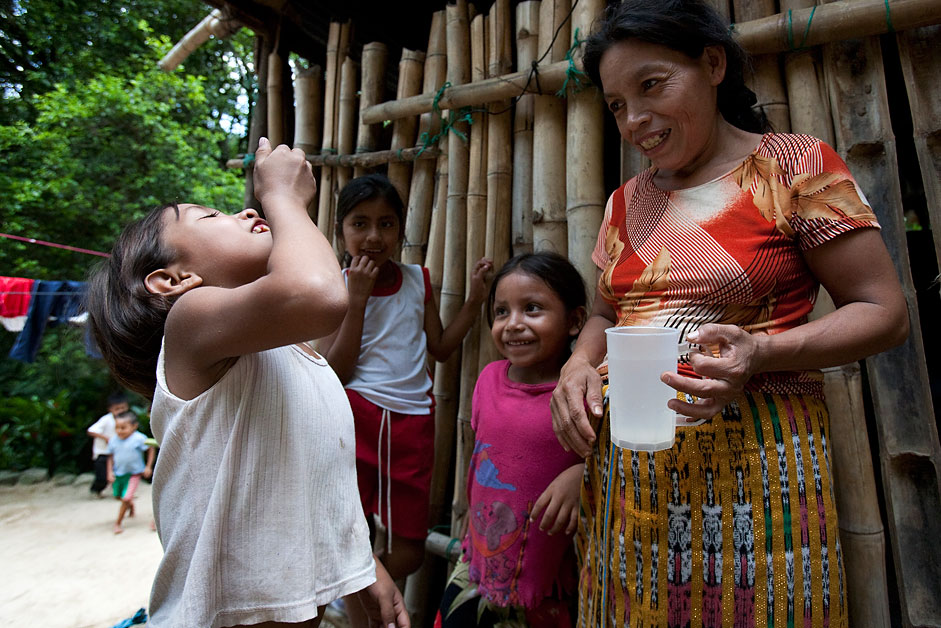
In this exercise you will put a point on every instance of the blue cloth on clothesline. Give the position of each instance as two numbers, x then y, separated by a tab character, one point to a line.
52	303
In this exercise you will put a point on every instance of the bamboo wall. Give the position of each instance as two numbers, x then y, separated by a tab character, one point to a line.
517	167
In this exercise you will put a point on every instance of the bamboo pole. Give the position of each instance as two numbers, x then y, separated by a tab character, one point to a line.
434	259
364	160
275	104
835	21
527	39
421	194
403	130
908	439
806	87
452	288
259	123
551	77
308	113
346	128
374	71
832	22
332	80
921	66
584	186
216	23
452	280
766	80
476	245
417	585
499	160
862	536
549	139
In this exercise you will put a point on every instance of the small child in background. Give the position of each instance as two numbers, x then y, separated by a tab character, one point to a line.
101	432
254	492
380	354
523	488
126	463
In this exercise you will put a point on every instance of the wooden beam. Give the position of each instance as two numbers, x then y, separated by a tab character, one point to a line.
785	31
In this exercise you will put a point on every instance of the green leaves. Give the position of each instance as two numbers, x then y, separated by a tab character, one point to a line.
92	135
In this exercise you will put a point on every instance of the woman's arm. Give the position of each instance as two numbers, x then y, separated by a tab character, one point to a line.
443	342
341	348
871	316
580	384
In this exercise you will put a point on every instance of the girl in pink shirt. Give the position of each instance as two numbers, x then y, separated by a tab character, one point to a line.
523	488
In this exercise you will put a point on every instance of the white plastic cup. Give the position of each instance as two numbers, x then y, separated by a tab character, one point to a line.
637	356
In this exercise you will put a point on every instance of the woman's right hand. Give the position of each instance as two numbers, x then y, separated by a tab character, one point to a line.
578	390
361	277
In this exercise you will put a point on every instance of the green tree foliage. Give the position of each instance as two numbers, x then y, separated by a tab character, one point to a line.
92	135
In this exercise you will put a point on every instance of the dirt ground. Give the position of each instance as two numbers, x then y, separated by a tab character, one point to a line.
61	566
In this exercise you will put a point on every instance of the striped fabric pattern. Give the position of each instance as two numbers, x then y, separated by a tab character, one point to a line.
730	250
733	526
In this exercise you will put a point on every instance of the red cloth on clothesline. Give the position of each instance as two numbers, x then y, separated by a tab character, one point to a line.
15	294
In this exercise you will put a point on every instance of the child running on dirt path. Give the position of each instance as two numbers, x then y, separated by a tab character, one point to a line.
126	463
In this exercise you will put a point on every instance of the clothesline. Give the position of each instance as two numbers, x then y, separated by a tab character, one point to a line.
67	247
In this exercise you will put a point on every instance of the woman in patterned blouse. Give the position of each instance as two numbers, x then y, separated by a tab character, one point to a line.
727	237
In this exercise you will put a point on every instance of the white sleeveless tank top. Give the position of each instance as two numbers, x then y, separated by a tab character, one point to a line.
392	369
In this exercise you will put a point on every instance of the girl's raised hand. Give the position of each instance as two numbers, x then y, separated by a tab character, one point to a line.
478	281
361	278
282	173
560	501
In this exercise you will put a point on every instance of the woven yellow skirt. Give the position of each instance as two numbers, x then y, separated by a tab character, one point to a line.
733	526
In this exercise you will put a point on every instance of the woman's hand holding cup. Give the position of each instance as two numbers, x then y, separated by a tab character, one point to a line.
724	370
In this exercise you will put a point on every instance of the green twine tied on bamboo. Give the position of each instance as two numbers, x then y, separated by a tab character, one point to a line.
572	73
447	125
248	160
790	29
888	17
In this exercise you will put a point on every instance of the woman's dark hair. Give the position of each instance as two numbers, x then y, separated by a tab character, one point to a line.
126	320
687	26
365	188
556	271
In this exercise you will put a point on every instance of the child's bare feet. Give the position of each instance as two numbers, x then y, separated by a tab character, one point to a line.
118	529
130	508
153	525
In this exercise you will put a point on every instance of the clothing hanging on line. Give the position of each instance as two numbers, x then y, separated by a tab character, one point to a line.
15	295
51	303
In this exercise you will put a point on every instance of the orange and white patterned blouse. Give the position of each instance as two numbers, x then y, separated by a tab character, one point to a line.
729	251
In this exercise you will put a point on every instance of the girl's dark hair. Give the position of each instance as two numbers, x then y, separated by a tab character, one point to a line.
365	188
126	320
556	271
687	26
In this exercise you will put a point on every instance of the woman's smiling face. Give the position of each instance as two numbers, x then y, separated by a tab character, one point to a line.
664	102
